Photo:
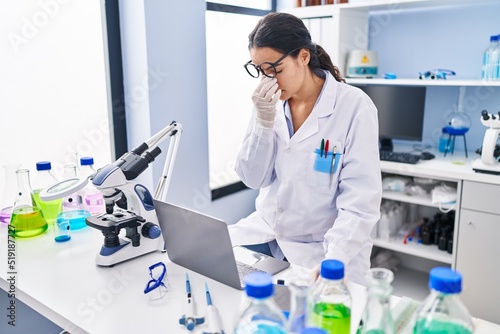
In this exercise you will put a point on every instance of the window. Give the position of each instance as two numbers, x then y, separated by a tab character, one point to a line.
229	87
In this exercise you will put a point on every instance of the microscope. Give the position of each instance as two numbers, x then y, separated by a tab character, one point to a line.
489	162
129	205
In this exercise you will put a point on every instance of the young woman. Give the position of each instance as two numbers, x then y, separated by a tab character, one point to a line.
312	150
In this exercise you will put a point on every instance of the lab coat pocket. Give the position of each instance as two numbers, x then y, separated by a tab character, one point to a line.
322	171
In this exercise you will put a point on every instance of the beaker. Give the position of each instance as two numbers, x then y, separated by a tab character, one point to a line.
9	192
62	229
27	220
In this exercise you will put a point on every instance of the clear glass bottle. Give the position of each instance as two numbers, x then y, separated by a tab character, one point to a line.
377	317
73	201
487	70
44	179
297	319
27	220
261	314
329	303
92	198
8	192
443	311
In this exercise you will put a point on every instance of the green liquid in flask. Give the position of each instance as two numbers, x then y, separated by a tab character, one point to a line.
50	209
27	222
333	318
437	326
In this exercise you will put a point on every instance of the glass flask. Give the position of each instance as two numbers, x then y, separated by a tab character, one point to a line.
299	289
443	311
27	220
457	123
377	317
44	178
8	192
329	302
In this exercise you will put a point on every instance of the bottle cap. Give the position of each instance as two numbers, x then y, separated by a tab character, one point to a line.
86	161
43	165
493	38
445	280
332	269
259	285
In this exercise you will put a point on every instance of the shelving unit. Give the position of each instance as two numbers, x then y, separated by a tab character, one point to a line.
418	82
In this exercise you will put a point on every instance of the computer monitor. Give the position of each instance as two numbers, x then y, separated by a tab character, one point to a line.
400	112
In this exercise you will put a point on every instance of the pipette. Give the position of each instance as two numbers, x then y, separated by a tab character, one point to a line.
214	326
189	319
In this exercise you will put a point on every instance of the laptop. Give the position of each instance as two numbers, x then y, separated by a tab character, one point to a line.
201	243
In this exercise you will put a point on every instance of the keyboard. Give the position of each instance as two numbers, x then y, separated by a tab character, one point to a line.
402	157
245	269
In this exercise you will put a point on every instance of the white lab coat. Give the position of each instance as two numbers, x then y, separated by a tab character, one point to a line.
296	206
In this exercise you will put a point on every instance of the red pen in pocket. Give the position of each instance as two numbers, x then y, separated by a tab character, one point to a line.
326	148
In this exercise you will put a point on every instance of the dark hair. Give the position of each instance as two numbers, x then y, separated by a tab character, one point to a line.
285	32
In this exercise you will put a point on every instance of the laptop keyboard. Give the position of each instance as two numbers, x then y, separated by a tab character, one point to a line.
245	269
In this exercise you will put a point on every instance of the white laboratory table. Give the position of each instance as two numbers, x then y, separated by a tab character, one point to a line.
62	282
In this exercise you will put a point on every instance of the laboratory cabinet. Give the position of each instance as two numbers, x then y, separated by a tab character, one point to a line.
416	259
478	249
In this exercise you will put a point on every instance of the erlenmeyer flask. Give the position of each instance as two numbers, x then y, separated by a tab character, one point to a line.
9	192
27	220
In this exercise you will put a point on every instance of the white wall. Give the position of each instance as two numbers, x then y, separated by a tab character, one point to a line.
175	50
53	83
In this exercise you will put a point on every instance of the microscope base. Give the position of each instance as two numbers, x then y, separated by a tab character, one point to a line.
480	167
126	251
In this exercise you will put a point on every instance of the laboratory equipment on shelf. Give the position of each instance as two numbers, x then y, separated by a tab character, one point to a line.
27	220
330	300
261	314
489	162
443	311
457	123
129	205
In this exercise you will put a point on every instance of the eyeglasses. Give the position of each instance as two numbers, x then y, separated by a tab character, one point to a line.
157	280
268	69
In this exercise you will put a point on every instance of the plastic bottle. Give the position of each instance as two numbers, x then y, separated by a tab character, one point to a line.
92	198
487	71
443	311
495	61
261	314
44	178
330	301
377	317
26	220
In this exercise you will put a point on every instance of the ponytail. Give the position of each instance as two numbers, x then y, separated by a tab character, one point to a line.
322	61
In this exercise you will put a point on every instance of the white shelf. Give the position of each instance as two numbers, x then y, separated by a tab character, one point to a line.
415	199
430	252
417	82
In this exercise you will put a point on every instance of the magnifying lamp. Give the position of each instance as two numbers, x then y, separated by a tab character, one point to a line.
63	188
